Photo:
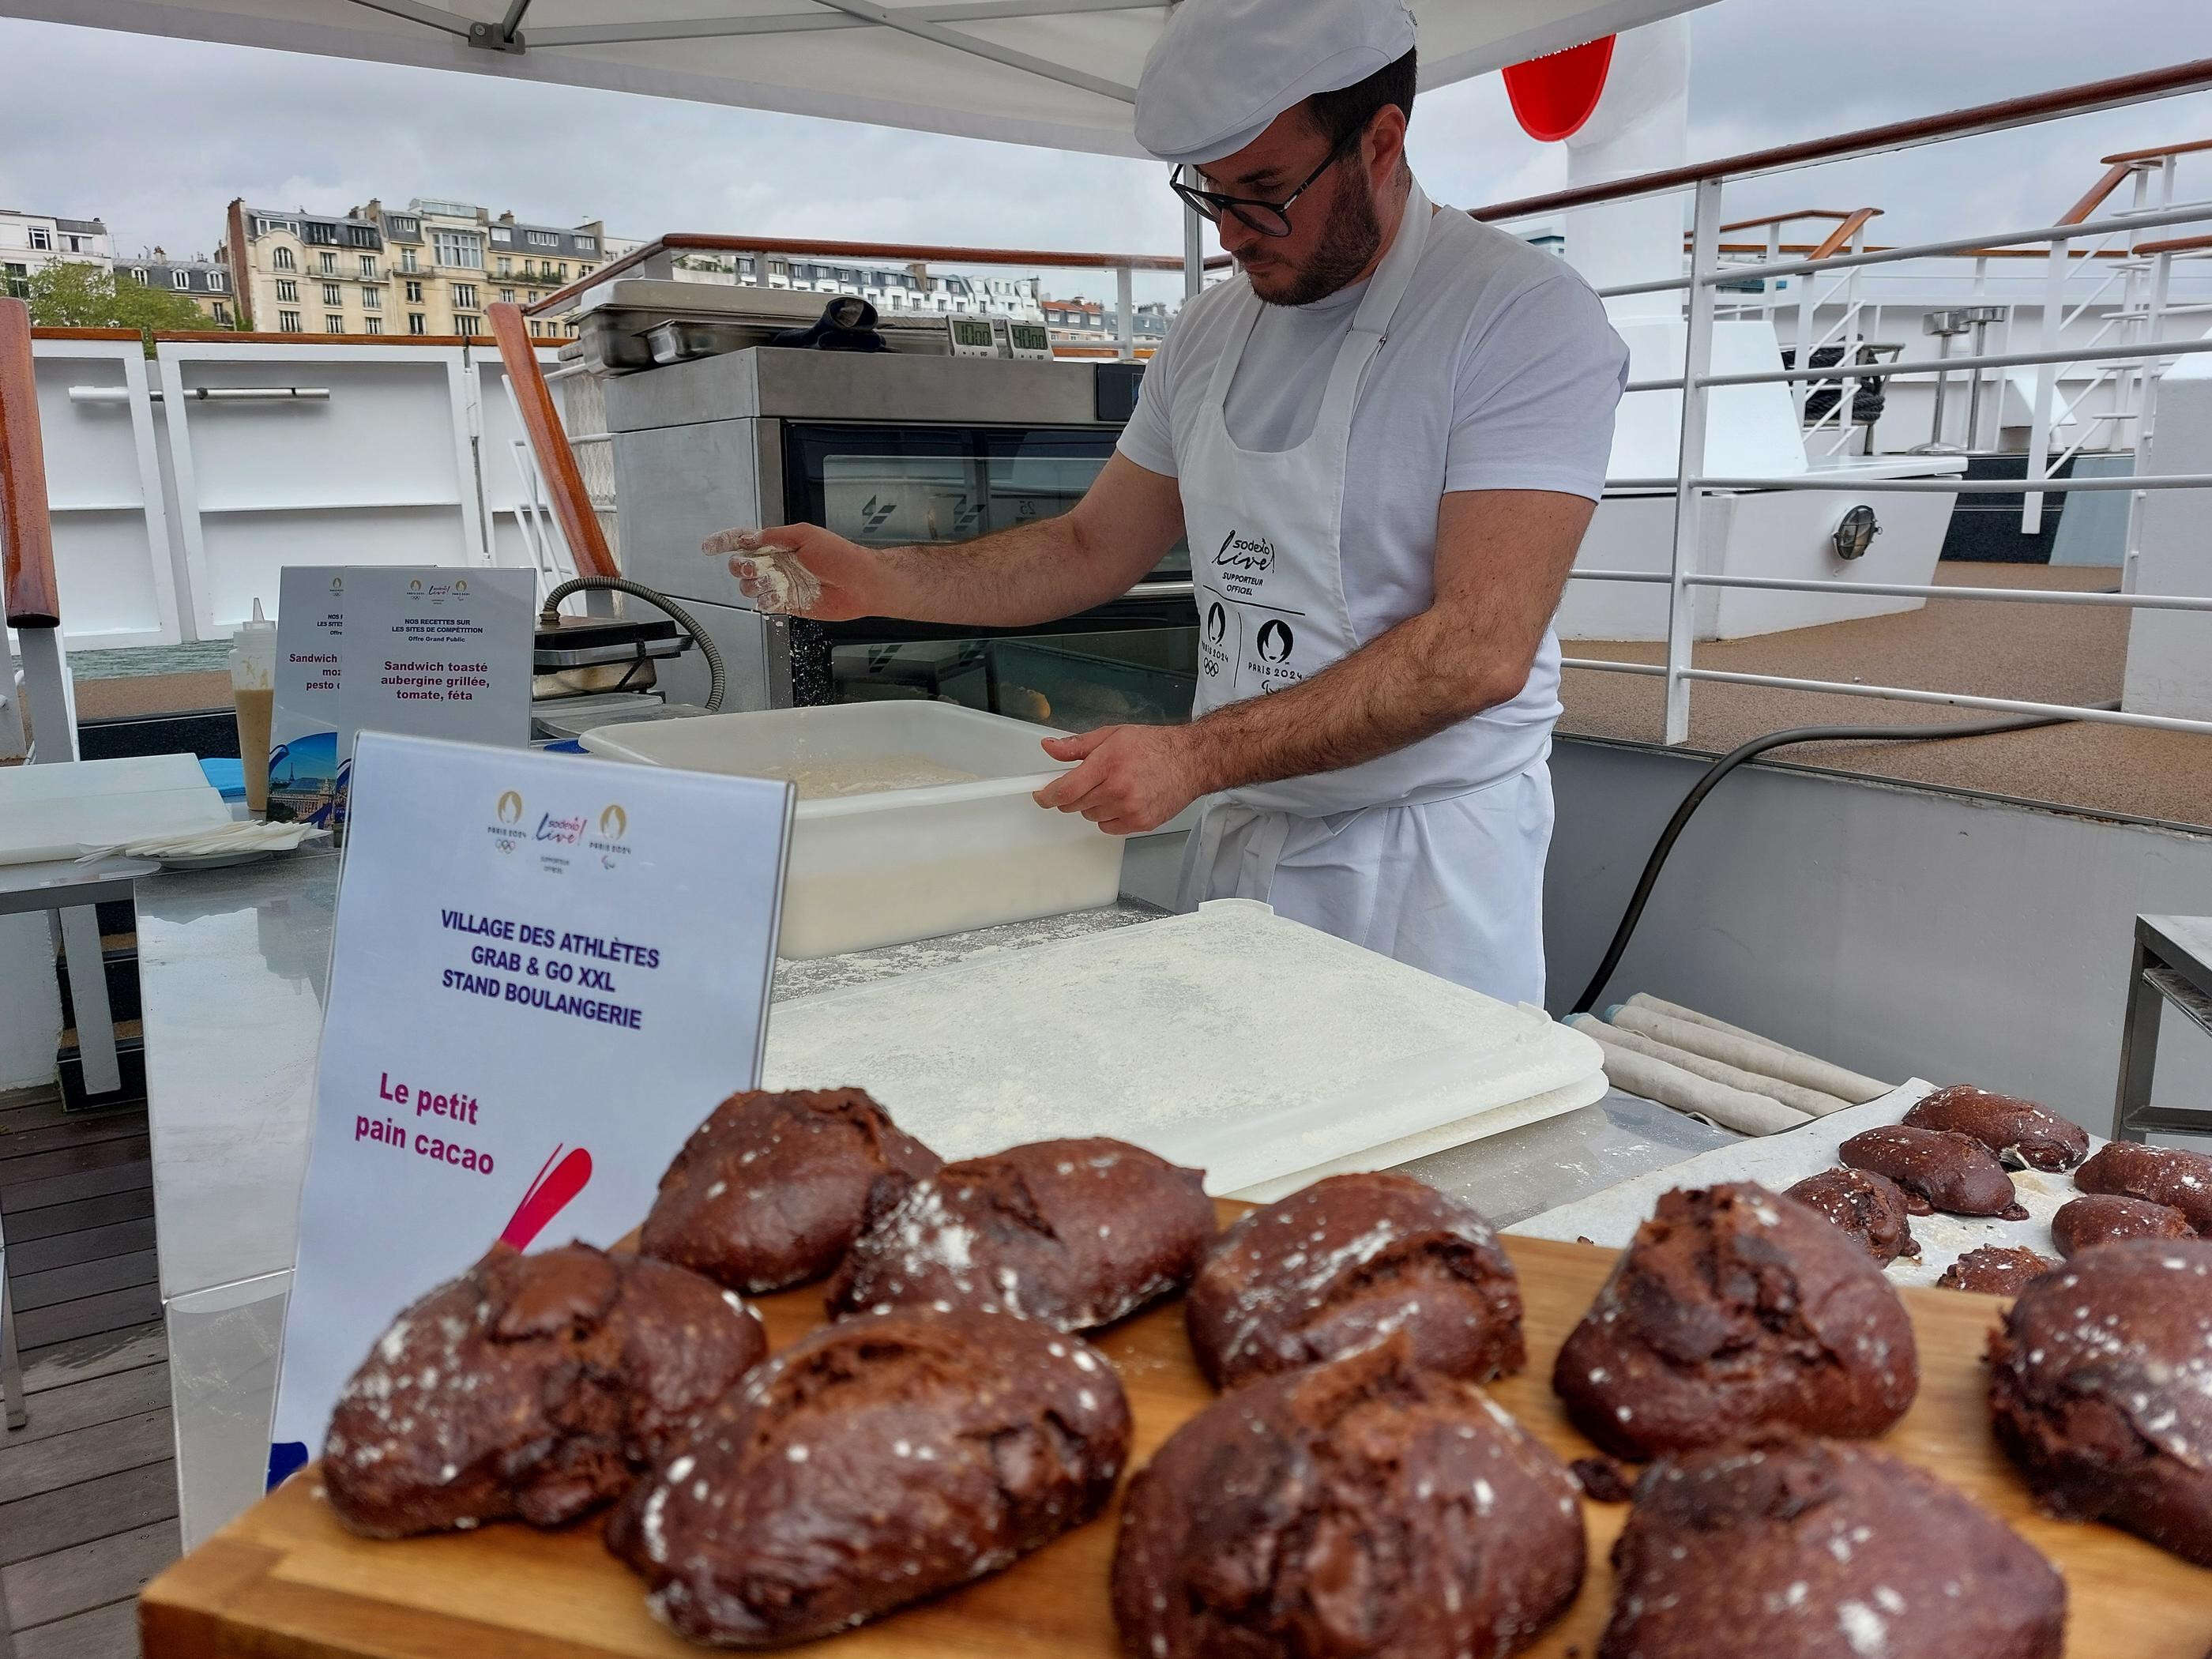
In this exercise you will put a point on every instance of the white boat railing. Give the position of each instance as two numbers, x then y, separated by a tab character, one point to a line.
1708	274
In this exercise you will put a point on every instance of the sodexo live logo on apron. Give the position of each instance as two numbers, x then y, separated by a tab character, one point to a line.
1244	562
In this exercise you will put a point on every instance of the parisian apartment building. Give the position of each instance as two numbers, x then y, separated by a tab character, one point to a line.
30	242
428	268
205	282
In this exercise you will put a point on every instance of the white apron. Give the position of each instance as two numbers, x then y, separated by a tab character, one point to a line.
1434	854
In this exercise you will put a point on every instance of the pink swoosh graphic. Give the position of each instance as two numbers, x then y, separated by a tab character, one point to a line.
555	1184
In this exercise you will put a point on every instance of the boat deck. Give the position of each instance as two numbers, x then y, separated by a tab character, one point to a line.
2049	653
88	1485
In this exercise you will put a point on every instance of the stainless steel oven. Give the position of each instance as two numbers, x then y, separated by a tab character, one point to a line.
890	450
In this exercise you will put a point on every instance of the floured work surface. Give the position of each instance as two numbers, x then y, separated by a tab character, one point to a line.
284	1582
1612	1217
1232	1040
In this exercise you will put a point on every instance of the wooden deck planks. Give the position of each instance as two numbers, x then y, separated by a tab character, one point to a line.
83	1404
88	1486
75	1455
88	1576
108	1633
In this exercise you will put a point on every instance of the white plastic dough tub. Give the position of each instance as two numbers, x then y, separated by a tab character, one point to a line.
1263	1051
898	864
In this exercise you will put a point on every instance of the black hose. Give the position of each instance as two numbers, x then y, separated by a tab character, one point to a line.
1757	746
683	619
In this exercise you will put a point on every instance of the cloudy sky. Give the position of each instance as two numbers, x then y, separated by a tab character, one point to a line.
155	135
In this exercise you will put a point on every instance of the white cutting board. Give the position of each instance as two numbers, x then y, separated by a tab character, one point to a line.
56	810
1612	1217
1251	1046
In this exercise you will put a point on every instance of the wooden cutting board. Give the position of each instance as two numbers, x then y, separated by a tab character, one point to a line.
283	1581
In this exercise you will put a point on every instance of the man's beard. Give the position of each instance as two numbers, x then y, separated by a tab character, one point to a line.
1348	241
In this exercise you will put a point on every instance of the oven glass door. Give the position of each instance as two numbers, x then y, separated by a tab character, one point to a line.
1134	660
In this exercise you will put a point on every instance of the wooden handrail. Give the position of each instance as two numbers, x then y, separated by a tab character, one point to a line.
1786	218
2176	245
2167	154
1840	238
27	590
680	242
1895	135
2115	176
541	424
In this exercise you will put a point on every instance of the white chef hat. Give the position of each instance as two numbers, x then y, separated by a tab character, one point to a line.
1223	69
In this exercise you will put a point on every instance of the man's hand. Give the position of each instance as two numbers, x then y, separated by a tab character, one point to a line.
1134	778
855	582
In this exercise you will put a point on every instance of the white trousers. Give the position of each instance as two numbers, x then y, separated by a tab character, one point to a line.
1455	887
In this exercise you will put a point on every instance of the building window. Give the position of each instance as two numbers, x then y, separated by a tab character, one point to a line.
287	288
360	236
402	226
541	238
536	328
505	266
137	273
18	281
220	313
311	231
76	243
182	279
287	322
260	225
587	244
216	282
330	263
370	298
464	248
501	234
414	294
281	259
417	323
368	266
373	326
530	297
333	324
466	324
583	271
507	297
42	239
407	260
333	295
464	296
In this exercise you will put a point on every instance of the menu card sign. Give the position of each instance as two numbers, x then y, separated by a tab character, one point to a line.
424	649
547	970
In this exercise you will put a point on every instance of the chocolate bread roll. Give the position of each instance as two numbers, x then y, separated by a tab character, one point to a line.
875	1461
772	1188
1951	1172
1995	1270
2021	1133
2100	1388
1819	1550
2100	1218
2161	1175
1339	1266
1734	1310
1868	1207
1358	1507
1077	1233
534	1386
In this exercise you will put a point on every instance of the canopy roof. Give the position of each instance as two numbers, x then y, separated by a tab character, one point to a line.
1058	73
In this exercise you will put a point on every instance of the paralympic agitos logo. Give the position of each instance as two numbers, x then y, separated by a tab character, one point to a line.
1246	552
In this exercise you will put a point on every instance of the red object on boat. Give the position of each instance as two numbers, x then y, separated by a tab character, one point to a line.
1553	95
549	1194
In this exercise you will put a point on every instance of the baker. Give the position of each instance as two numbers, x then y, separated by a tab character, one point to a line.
1383	440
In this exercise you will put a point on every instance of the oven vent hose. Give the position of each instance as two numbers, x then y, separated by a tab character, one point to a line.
549	611
1735	757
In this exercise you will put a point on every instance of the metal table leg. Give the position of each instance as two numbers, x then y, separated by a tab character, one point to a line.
2138	1046
11	1363
79	927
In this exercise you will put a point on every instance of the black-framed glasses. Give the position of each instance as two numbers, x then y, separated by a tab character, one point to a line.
1268	218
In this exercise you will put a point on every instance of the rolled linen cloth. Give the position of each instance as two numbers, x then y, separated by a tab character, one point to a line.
1812	1102
1751	1054
1670	1085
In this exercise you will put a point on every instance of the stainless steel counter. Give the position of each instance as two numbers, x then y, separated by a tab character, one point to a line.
236	965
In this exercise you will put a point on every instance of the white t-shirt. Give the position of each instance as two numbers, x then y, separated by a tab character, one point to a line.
1500	372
